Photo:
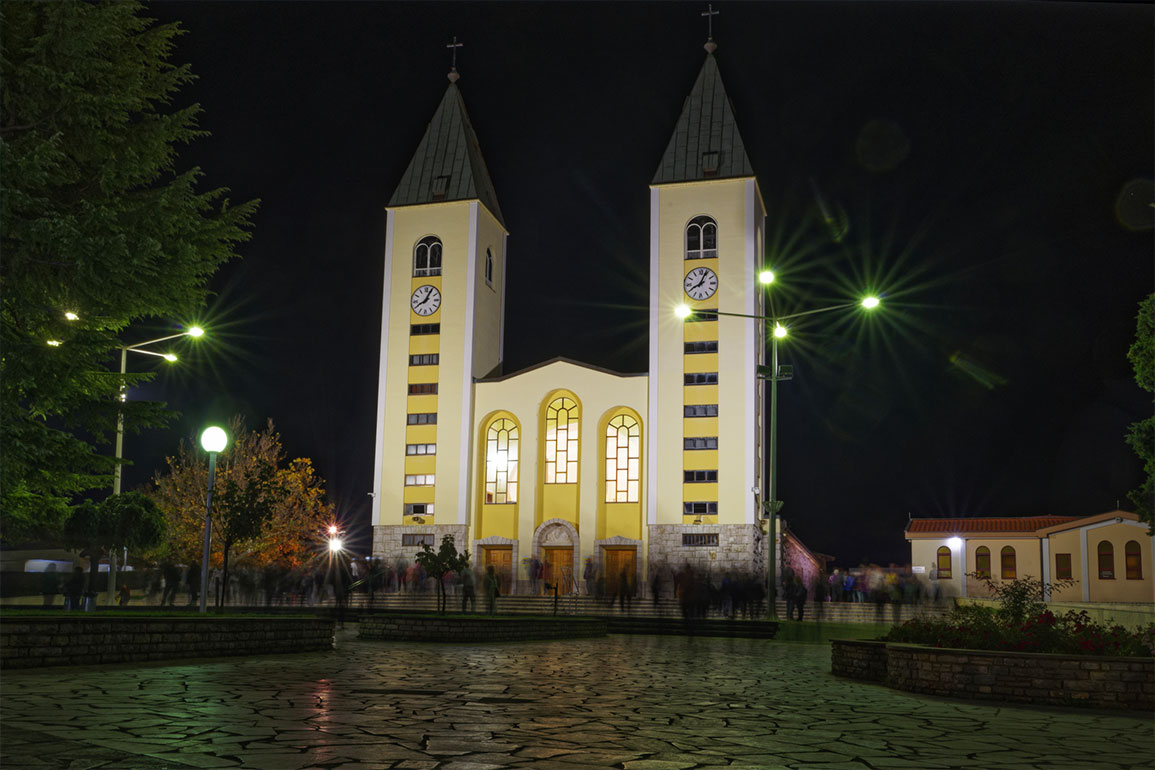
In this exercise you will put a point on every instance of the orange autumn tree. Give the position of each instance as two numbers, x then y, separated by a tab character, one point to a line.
263	513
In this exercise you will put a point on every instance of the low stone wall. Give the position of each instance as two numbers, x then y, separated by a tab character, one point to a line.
88	639
1020	677
467	628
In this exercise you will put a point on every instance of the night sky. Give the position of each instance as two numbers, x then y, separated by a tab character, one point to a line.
964	160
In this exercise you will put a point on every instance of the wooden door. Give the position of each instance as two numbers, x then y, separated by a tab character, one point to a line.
616	560
501	558
559	569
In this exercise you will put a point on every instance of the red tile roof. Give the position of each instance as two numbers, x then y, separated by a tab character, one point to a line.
959	526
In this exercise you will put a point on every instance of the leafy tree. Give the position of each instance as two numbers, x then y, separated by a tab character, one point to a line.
128	520
95	220
446	560
1141	435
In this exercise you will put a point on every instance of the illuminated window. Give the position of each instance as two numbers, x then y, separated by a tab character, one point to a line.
422	388
1133	560
561	442
489	267
1106	560
418	540
623	459
427	256
420	449
1063	566
419	480
943	564
983	561
1008	563
701	238
501	462
419	509
424	359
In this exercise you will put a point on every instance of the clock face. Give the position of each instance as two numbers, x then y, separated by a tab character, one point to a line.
425	300
701	283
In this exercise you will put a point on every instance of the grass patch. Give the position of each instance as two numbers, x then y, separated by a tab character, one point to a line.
814	632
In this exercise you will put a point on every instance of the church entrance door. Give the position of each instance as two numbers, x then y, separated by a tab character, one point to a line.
618	560
558	569
501	558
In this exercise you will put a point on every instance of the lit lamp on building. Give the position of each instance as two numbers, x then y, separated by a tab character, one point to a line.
213	440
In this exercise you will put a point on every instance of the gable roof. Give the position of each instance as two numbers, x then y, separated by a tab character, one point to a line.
705	126
1087	520
1024	524
448	156
559	360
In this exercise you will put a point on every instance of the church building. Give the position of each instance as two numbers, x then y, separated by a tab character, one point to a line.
566	462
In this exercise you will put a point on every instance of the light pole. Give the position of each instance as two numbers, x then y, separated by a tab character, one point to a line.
213	440
775	373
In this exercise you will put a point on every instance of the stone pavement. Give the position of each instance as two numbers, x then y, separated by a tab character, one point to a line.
628	702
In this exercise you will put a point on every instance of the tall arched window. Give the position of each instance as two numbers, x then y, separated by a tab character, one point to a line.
1008	559
427	256
702	238
1106	560
623	459
501	462
561	441
983	561
1133	560
943	563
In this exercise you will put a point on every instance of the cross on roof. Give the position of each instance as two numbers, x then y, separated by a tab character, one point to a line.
709	14
455	45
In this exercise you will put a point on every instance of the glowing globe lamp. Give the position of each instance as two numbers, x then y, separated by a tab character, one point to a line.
766	277
195	331
683	311
214	439
870	302
780	331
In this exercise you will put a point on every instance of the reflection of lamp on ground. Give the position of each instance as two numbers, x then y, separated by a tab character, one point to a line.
213	440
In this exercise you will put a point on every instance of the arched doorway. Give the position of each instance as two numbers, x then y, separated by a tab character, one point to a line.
556	544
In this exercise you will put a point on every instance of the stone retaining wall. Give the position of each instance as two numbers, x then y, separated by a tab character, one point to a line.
89	639
425	628
1020	677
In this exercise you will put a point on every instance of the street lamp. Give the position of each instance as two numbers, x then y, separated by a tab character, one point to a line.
213	441
775	374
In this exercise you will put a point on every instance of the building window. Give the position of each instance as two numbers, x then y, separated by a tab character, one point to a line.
417	329
1133	560
700	539
419	509
489	268
424	418
943	563
700	442
425	359
419	480
701	410
422	388
501	446
701	378
701	238
427	256
710	163
420	449
416	540
983	561
710	346
1008	563
623	459
1106	560
700	509
702	314
700	477
1063	566
561	441
439	189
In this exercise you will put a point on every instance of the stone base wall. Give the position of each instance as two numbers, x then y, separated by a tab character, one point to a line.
1019	677
387	540
424	628
739	549
79	641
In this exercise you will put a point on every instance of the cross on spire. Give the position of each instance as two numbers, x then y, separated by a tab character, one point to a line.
455	45
710	13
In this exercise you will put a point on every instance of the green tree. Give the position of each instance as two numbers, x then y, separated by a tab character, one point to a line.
446	560
96	220
129	520
1141	435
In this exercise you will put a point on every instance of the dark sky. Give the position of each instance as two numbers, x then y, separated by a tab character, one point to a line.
969	155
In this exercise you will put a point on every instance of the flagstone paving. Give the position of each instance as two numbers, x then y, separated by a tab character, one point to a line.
632	703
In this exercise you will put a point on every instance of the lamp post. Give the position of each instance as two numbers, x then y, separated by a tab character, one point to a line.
213	440
775	373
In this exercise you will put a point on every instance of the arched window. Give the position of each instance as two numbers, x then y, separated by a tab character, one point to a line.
561	441
1133	560
623	459
501	462
943	563
1106	560
702	238
983	561
427	256
489	267
1008	559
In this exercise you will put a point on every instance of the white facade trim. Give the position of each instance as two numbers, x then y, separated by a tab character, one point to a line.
652	406
501	309
962	562
382	371
750	304
1046	560
1086	564
466	434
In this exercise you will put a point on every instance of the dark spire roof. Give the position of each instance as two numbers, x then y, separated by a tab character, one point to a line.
448	165
706	143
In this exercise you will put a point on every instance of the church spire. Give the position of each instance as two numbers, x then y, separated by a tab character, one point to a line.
448	165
